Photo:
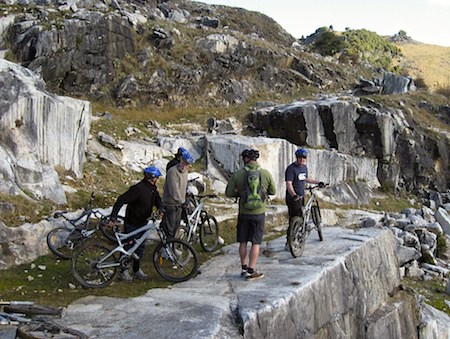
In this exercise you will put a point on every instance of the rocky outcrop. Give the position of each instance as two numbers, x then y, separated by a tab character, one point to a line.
159	53
346	286
39	131
23	244
406	159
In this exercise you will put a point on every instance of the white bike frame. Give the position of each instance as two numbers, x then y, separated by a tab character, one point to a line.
193	219
306	210
147	229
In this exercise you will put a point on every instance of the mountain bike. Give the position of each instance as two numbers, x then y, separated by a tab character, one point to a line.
63	240
197	224
33	321
301	226
94	265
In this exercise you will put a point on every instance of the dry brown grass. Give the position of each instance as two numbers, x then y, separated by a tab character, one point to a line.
429	62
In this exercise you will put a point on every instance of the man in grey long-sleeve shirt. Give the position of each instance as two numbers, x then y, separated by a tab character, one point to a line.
174	195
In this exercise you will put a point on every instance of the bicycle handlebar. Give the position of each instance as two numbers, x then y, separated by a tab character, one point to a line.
311	188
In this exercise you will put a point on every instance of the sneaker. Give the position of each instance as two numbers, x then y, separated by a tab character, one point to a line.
244	272
140	275
253	276
125	276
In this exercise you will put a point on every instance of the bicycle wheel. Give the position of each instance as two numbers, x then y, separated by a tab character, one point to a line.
110	232
296	236
209	233
317	220
87	269
182	233
61	241
175	260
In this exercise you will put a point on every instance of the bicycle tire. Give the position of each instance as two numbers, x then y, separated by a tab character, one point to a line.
317	220
85	269
296	236
59	244
42	328
109	232
209	233
33	310
175	260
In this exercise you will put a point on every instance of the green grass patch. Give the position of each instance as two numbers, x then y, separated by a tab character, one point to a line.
433	291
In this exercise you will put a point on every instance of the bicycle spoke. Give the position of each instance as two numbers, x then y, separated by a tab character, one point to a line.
175	260
296	236
87	270
209	234
58	242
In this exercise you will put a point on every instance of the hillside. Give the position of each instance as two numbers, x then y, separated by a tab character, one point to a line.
429	62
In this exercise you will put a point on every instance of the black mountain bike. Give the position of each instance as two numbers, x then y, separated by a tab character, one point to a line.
63	240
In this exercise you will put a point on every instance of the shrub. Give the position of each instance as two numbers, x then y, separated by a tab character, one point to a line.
328	43
356	46
444	90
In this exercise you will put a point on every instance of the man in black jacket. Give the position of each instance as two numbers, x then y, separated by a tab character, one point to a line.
140	199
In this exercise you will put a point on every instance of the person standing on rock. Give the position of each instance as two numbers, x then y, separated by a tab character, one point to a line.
174	195
251	217
141	199
296	177
176	159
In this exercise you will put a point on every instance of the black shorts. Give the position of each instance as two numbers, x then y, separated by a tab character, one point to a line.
251	228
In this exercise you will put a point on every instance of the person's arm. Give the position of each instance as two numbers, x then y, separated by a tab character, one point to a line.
312	181
231	189
126	198
271	187
289	176
158	202
290	189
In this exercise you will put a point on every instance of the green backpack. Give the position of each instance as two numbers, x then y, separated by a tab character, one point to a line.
254	195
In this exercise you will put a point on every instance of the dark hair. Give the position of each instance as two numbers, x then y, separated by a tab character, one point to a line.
252	154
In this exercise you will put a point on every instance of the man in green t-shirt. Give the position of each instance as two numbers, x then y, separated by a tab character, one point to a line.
250	225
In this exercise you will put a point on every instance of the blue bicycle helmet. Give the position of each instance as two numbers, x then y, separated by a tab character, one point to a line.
181	150
301	153
152	172
187	157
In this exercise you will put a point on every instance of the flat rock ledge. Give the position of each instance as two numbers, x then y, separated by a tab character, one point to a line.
343	287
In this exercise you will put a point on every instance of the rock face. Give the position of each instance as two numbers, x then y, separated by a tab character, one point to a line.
23	244
223	154
38	131
344	287
154	52
406	160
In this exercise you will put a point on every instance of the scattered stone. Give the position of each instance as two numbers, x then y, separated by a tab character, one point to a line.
30	278
72	286
42	267
32	266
